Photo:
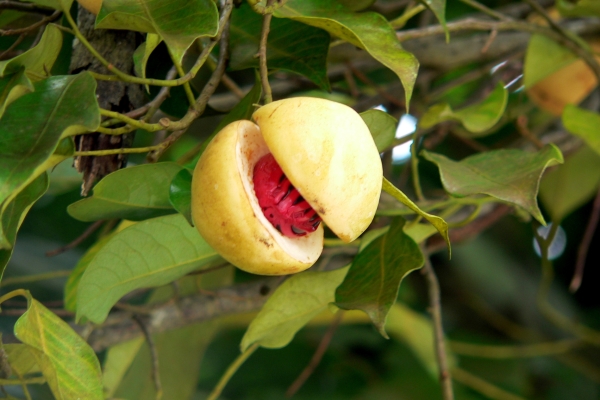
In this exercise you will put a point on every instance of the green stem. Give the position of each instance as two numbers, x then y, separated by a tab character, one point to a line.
237	363
15	293
482	386
518	351
131	121
31	381
186	86
262	55
414	164
399	22
110	152
17	280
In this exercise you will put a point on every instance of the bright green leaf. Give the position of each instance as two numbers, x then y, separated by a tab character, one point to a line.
32	126
579	8
368	30
12	87
39	60
568	187
374	278
476	118
583	123
300	298
510	175
134	193
178	22
180	194
66	360
292	46
382	127
142	54
147	254
544	56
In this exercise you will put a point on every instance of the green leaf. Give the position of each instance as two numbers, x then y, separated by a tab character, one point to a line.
39	60
142	54
66	360
374	278
438	8
134	193
291	46
21	359
13	86
180	194
357	5
178	22
579	8
509	175
300	298
583	123
33	125
437	222
118	360
568	187
13	214
147	254
382	127
368	30
544	56
477	118
64	5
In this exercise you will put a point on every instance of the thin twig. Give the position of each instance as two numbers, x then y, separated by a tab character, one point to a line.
25	7
585	245
262	55
526	133
18	280
316	358
414	165
486	10
511	352
153	354
88	231
12	46
32	27
17	312
237	363
482	386
433	288
367	81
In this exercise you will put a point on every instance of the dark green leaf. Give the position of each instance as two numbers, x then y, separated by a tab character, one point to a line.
477	118
298	300
180	194
134	193
147	254
568	187
374	278
68	363
64	5
584	124
544	56
177	22
509	175
33	125
382	127
292	46
579	8
368	30
357	5
39	60
142	54
12	87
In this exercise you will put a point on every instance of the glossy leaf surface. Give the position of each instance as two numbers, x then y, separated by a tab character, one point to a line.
180	194
13	86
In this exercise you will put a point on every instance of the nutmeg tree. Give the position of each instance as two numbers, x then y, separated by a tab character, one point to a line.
226	199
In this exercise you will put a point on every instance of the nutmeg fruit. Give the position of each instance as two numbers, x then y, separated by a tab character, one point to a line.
260	190
92	6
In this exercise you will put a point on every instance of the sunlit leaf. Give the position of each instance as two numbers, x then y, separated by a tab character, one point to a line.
510	175
32	126
382	127
579	8
177	22
291	306
39	60
476	118
150	253
583	123
66	360
291	46
367	30
134	193
544	56
374	278
142	54
13	86
180	194
568	187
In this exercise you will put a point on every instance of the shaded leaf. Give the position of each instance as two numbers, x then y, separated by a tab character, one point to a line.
368	30
292	46
142	54
64	178
180	194
33	125
437	222
293	304
64	5
476	118
357	5
579	8
118	360
510	175
39	60
544	56
21	359
66	360
438	8
13	86
134	193
374	278
177	22
382	127
568	187
583	123
148	254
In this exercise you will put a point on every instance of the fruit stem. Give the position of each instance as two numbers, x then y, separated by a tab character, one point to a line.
237	363
262	55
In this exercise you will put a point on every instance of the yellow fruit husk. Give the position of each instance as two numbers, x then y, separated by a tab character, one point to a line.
92	6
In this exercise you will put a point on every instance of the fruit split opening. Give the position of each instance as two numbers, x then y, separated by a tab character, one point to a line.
281	203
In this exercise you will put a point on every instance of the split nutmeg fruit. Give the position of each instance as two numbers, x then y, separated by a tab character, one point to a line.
260	191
